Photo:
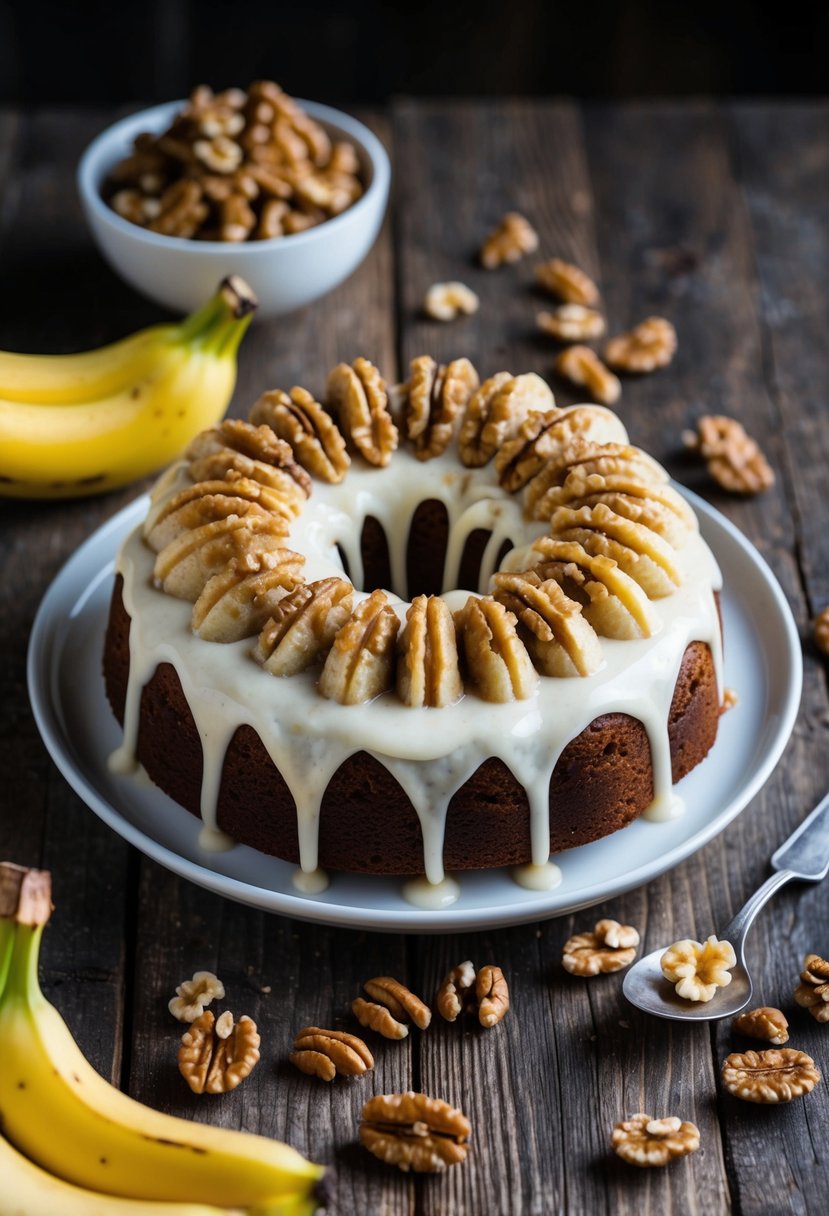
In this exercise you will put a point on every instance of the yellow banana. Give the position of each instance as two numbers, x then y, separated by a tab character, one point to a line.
80	424
67	1119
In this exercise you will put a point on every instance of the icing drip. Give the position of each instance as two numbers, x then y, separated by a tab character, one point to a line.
312	882
430	752
538	878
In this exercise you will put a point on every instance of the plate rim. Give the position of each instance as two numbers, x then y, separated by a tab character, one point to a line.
45	635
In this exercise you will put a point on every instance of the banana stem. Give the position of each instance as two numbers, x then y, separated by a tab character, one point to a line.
25	907
227	313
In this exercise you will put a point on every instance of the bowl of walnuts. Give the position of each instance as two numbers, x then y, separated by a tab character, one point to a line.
288	194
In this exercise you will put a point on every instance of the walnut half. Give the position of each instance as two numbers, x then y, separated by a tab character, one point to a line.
391	1008
776	1075
486	993
610	947
698	969
812	992
415	1132
215	1057
644	1141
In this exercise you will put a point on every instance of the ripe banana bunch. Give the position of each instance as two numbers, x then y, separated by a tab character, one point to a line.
73	1145
72	425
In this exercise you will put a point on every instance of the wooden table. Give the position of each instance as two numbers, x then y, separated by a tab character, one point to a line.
713	216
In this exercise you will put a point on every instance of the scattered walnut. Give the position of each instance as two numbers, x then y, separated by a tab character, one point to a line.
775	1075
427	663
192	996
415	1132
446	301
812	992
312	433
568	282
325	1053
733	458
641	1140
357	395
513	237
456	990
214	1060
821	629
486	994
763	1023
730	700
571	323
698	969
360	663
583	367
650	345
492	993
610	947
391	1008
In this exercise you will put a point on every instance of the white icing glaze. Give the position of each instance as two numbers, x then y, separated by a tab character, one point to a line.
538	878
430	752
432	896
312	882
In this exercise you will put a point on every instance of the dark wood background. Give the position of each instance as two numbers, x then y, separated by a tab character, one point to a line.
713	216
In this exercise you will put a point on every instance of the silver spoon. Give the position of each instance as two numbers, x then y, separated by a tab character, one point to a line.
805	855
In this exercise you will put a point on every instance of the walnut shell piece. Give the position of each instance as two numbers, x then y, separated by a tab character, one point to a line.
583	367
360	664
610	947
765	1023
193	995
812	992
497	662
213	1063
644	1141
650	345
327	1053
776	1075
567	282
698	969
357	396
393	997
427	664
732	457
571	323
432	399
312	433
446	301
415	1132
513	237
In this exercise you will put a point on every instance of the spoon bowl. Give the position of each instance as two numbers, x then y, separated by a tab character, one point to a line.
646	987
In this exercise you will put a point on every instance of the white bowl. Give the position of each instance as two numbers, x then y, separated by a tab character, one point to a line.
286	273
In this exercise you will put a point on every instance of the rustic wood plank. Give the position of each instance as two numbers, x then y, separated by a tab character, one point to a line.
675	239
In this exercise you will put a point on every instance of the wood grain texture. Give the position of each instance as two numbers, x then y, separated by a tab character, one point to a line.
713	217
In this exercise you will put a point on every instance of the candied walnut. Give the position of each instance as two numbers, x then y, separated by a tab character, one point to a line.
812	992
326	1053
642	1140
415	1132
432	398
698	969
643	554
582	366
256	443
360	664
732	457
456	991
559	639
207	501
821	631
391	1008
775	1075
236	602
568	282
650	345
511	240
213	1062
427	665
496	660
184	566
446	301
312	433
612	602
497	410
182	210
571	323
303	626
764	1023
193	995
358	397
610	947
556	436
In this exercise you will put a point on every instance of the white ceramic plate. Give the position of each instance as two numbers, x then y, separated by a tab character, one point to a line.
762	662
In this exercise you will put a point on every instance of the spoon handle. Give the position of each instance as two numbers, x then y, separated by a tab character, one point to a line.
736	929
806	852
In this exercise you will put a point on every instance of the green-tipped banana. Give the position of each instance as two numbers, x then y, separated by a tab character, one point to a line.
58	1112
79	424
